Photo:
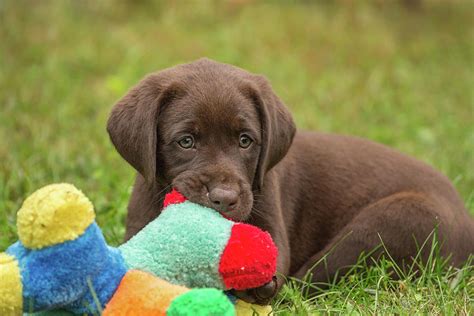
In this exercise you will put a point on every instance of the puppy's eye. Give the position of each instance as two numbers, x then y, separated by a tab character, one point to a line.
245	141
186	142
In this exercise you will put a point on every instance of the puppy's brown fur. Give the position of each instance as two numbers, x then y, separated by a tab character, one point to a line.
317	194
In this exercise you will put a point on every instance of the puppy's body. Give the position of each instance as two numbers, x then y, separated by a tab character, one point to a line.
343	190
316	193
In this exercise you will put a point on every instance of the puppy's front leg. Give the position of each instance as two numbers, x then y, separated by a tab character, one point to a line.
144	206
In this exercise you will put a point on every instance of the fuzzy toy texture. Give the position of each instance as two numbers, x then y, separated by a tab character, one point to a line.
54	214
190	258
243	308
213	251
57	276
163	298
11	288
248	244
74	270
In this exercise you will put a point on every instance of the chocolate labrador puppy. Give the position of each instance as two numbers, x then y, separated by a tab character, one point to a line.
221	136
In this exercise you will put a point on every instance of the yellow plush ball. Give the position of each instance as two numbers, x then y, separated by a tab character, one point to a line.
11	300
243	308
54	214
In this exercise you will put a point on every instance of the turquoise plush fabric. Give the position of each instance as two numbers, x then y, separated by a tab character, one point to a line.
183	246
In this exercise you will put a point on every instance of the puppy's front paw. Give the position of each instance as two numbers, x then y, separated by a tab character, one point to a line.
261	295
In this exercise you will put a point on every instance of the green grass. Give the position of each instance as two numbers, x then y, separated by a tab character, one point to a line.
374	69
440	291
429	287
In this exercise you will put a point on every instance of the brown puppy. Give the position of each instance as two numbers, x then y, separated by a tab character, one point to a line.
224	139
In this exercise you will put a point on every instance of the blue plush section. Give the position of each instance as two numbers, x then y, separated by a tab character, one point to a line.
105	283
56	277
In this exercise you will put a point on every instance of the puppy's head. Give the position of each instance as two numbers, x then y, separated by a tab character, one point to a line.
209	129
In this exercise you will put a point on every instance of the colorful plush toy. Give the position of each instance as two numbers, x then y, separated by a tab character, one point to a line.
63	262
196	246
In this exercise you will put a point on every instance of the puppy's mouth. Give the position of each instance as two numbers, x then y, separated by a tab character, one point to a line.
237	209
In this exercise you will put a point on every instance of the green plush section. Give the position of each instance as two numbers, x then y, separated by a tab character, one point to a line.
183	246
201	302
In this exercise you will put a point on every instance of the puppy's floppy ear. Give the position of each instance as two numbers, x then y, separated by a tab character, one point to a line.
278	128
132	125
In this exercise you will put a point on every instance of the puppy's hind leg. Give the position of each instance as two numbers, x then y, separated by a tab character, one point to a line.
396	226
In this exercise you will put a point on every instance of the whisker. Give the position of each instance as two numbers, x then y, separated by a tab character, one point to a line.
256	211
162	197
165	188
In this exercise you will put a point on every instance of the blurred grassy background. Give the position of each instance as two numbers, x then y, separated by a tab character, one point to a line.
396	73
399	75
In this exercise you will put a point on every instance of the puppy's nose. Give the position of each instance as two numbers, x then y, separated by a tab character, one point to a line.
223	199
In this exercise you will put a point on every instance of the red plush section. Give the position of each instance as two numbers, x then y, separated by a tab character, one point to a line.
249	259
174	197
